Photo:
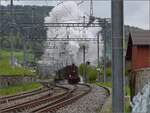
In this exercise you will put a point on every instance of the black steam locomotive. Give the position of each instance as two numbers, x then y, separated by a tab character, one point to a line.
70	72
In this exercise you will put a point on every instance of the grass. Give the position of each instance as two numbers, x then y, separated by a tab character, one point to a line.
105	84
108	108
127	105
109	85
127	90
7	69
18	54
11	90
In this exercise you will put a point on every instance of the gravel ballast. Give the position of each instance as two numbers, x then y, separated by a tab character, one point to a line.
90	103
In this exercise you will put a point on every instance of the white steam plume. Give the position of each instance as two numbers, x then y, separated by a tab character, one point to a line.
69	12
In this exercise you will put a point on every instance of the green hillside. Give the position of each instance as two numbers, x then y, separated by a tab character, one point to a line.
7	69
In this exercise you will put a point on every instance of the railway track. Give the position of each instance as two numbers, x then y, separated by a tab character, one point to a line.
7	99
51	103
36	103
68	99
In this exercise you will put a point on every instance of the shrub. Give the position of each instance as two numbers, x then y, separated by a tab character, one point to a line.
108	72
81	69
90	71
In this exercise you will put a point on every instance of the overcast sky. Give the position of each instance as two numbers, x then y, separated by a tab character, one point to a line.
136	12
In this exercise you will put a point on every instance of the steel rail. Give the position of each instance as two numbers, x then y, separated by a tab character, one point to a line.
64	101
21	95
34	103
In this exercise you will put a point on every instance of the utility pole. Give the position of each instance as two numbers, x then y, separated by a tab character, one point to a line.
0	18
98	62
0	27
25	50
11	35
117	56
105	50
32	29
25	38
84	65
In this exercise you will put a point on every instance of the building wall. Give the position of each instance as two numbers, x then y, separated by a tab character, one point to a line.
140	57
138	79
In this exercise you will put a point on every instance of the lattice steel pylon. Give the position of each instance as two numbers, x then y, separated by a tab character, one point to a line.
91	17
91	8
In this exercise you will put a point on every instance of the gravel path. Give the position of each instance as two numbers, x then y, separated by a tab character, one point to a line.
90	103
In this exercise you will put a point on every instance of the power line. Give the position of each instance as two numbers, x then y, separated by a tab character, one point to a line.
96	24
63	39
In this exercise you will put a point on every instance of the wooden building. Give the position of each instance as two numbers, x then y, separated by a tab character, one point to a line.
138	59
138	50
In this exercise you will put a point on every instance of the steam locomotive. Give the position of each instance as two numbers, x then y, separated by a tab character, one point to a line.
70	72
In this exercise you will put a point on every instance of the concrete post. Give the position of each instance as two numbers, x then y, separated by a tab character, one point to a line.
1	20
24	51
105	79
98	62
117	56
12	47
0	26
84	65
11	35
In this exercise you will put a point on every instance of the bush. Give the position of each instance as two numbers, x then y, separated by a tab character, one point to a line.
108	71
81	69
91	72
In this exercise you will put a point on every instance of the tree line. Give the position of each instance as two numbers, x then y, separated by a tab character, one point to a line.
11	32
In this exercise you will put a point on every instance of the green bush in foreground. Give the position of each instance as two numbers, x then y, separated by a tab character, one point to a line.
108	71
91	72
11	90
